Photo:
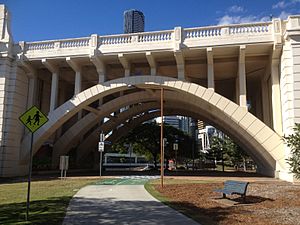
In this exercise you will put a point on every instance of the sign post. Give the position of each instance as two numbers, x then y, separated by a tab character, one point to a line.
32	119
175	147
101	149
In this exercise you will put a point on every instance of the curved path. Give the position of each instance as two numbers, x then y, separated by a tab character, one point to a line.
120	204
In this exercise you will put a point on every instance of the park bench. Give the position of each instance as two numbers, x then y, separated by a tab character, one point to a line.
234	187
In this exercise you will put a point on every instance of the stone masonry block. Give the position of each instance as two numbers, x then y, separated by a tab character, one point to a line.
255	127
247	120
207	94
222	103
230	108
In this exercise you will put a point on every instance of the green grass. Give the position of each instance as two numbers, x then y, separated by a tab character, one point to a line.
48	202
183	181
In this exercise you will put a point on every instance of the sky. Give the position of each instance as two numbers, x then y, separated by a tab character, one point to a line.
35	20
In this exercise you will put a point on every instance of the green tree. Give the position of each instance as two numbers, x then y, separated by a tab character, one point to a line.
223	148
217	149
146	141
237	155
293	142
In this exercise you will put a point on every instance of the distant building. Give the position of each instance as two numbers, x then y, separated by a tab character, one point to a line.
184	124
134	21
172	120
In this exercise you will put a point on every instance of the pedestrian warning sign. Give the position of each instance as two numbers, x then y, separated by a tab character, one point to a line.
33	119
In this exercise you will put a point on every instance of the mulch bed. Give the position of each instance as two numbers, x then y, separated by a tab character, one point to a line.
267	203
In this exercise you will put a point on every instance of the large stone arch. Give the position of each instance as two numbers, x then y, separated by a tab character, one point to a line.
235	120
264	163
87	145
73	134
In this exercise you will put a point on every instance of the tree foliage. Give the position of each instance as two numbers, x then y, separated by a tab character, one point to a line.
223	148
145	140
293	142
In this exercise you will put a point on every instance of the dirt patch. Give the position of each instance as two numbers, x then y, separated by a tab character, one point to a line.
267	203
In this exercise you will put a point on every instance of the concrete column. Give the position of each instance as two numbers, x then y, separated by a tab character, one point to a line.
152	63
78	79
265	90
100	67
242	78
32	83
180	65
32	95
54	83
125	63
127	72
276	98
265	102
54	91
237	90
101	70
77	69
210	69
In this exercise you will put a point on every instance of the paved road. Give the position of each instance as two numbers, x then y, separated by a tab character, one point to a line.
120	204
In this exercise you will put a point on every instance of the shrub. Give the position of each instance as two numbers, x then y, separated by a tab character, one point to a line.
293	142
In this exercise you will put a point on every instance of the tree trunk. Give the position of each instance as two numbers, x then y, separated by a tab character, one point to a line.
244	164
223	166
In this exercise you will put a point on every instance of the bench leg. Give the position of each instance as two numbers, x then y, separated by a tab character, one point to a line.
224	195
244	198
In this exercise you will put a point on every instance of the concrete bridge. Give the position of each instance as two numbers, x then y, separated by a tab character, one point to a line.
244	79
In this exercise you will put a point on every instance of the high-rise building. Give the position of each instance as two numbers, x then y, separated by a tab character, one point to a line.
184	124
172	120
134	21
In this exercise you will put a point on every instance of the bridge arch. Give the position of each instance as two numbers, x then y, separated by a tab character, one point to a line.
233	119
265	163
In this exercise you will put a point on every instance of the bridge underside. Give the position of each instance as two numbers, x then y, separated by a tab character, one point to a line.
140	96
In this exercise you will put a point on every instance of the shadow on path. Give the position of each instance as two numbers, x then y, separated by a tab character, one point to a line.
112	211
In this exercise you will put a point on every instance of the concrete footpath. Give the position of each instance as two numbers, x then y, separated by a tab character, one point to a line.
120	204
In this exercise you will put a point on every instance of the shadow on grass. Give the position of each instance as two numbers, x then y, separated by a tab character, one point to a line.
50	212
204	216
251	199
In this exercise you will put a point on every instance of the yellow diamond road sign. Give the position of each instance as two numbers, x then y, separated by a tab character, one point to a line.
33	119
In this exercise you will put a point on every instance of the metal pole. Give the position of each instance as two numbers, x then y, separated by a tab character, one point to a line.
100	164
193	152
29	179
176	159
130	156
162	137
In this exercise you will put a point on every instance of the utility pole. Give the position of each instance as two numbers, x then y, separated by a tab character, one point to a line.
162	137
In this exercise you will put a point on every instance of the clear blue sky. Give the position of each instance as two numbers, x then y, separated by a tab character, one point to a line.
54	19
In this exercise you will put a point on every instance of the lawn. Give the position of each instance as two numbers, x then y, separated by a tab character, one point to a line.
49	200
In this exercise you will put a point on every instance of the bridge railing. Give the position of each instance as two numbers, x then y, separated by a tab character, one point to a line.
258	32
235	29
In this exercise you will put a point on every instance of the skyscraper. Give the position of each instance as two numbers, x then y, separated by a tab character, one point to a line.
134	21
